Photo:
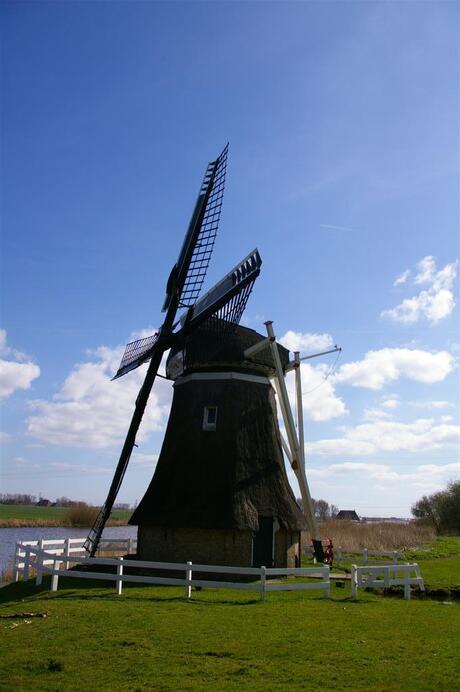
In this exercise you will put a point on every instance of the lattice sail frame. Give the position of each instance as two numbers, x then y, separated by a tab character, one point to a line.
202	252
136	353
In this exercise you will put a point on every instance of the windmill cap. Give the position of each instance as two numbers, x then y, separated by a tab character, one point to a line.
216	346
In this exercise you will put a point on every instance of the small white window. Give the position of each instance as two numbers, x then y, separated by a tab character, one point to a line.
210	418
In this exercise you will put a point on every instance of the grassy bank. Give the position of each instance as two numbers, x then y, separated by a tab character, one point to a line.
18	516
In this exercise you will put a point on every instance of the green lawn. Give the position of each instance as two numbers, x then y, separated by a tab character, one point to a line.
151	639
43	516
439	563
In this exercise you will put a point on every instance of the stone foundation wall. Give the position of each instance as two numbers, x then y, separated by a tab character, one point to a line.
205	546
212	546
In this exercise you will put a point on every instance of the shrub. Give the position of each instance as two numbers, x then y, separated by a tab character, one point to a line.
441	510
81	515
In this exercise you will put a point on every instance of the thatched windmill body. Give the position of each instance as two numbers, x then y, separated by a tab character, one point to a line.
220	493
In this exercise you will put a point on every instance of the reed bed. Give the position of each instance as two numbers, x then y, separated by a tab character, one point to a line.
29	523
7	573
380	536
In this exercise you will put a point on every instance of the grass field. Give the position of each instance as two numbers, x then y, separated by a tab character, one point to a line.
152	639
31	515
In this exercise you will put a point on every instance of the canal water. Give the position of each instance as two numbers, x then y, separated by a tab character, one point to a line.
9	537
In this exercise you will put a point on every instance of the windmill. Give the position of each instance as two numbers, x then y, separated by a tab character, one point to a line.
230	489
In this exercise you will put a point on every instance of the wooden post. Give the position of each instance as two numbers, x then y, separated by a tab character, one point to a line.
39	564
25	573
406	587
386	578
119	582
130	546
327	589
67	552
55	579
188	580
365	556
263	580
354	582
395	557
339	556
16	561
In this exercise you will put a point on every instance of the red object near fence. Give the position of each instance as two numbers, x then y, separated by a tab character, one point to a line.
329	553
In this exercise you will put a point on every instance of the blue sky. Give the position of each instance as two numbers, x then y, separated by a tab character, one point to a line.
342	119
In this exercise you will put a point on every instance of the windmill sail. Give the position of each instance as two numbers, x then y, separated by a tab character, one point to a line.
184	284
136	353
188	274
228	298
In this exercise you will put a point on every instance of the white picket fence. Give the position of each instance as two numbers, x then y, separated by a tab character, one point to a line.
48	562
67	547
341	554
346	554
385	576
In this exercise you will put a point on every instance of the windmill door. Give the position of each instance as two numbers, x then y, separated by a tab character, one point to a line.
262	543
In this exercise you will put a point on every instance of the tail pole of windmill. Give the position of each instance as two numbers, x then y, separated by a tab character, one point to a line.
294	447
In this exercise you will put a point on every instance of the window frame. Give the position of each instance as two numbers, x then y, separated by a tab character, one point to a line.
209	426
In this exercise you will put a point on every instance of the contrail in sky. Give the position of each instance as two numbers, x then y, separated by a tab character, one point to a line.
337	228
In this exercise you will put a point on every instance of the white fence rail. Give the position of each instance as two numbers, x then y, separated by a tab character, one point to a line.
385	576
341	553
48	562
67	547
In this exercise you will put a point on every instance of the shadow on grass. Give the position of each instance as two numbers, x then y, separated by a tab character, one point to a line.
81	590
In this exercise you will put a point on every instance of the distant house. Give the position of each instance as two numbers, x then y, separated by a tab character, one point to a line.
44	502
347	515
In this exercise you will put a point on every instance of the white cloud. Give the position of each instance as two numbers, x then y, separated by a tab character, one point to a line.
16	372
426	270
375	414
4	437
432	404
433	303
390	403
298	341
424	475
91	411
389	364
6	350
402	278
389	436
80	468
320	401
146	460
